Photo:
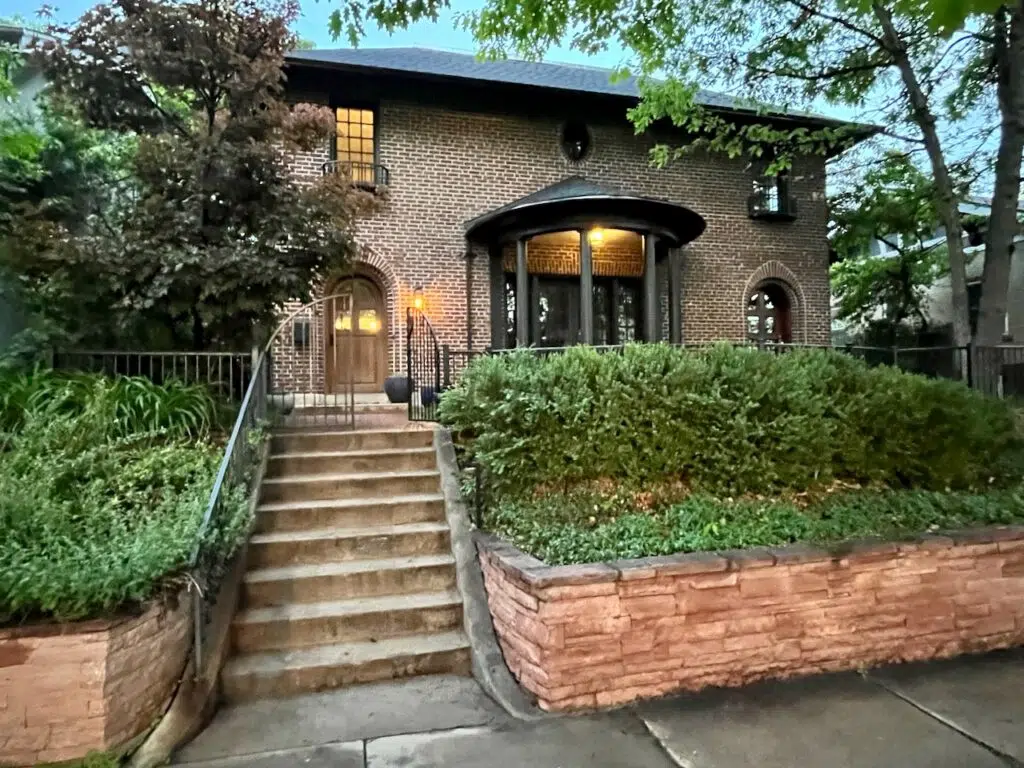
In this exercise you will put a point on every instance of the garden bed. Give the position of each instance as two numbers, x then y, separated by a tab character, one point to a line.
604	634
736	476
104	487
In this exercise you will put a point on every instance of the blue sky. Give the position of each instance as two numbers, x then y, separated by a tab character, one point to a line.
313	26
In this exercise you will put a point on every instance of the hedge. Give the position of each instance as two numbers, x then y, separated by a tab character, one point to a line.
724	420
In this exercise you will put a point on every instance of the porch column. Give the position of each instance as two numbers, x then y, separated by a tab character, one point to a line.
498	309
675	296
586	289
650	290
522	297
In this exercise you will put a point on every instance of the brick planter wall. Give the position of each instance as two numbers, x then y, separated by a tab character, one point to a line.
68	689
605	634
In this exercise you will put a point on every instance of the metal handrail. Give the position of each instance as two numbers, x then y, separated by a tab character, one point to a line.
234	468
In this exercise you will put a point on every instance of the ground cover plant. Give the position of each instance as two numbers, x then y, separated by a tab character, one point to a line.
588	456
103	487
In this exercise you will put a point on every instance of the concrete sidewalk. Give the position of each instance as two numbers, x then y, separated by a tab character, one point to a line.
967	713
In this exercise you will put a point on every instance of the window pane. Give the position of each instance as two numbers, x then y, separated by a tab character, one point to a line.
355	143
510	312
625	313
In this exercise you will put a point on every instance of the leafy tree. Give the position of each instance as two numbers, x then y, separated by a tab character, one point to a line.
948	78
894	206
211	231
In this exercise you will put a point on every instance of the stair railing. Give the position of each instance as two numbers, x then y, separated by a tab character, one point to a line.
233	485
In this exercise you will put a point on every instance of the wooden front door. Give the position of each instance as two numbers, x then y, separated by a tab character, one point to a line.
357	337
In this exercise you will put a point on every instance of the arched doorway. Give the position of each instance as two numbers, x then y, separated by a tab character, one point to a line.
769	315
357	337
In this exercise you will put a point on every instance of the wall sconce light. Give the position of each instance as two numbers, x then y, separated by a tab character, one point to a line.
417	298
596	235
300	332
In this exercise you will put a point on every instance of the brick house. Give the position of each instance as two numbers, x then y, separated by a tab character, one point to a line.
512	189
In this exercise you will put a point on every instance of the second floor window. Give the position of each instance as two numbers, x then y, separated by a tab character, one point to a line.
356	143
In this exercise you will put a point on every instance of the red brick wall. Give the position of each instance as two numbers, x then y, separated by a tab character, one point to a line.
450	166
67	689
605	634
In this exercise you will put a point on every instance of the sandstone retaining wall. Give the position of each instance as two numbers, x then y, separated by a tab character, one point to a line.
68	689
605	634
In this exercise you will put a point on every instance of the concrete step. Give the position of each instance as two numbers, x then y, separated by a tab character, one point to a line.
287	673
306	440
349	485
380	460
303	515
302	625
352	578
323	545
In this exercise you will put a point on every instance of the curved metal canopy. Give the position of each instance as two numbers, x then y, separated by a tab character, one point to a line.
575	203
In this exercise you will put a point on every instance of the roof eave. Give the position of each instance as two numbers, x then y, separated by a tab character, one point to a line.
626	98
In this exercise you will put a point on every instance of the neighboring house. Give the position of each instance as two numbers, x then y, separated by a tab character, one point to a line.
27	77
938	305
512	189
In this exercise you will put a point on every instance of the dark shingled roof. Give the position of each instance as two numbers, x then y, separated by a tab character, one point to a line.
426	61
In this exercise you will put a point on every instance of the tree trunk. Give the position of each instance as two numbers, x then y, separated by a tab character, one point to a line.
946	203
198	331
1002	223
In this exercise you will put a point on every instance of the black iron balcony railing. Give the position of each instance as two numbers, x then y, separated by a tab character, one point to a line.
370	175
772	204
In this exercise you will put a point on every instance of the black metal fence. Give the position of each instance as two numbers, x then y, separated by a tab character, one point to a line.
226	373
423	366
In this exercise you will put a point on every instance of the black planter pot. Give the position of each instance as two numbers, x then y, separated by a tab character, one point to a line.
428	396
397	389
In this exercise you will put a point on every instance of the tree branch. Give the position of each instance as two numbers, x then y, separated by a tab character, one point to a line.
846	23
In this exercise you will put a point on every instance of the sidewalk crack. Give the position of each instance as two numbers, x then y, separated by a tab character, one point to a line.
1010	760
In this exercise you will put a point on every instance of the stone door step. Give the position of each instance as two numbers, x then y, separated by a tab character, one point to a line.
306	670
347	579
295	572
298	625
322	545
349	485
290	506
340	513
360	461
326	439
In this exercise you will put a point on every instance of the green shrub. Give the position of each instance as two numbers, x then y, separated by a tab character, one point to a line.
132	404
725	420
585	528
100	509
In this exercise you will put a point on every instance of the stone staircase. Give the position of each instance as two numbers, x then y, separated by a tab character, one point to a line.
350	576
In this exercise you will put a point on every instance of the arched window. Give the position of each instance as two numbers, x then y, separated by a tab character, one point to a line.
769	315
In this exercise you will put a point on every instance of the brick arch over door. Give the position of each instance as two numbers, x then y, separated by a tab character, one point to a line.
778	273
372	264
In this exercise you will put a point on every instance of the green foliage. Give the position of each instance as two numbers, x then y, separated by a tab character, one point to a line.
894	205
211	231
101	503
131	405
581	528
724	420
